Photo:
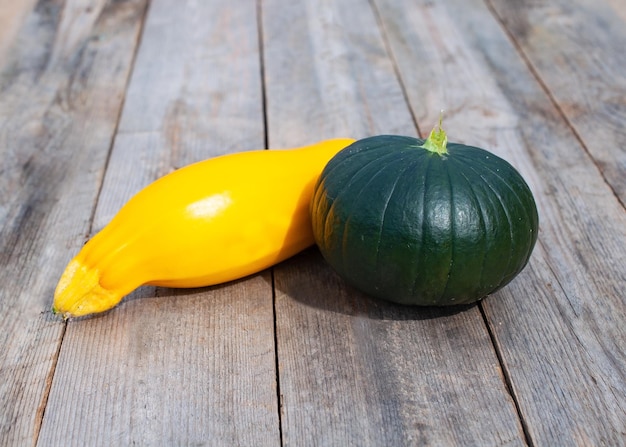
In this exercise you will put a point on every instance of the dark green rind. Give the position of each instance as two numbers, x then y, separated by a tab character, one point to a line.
411	226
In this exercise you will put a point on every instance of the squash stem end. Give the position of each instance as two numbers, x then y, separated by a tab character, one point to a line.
80	293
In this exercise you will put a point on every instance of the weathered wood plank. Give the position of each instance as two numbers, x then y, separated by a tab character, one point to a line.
619	8
182	368
577	49
57	119
12	16
358	371
177	367
354	371
326	77
559	327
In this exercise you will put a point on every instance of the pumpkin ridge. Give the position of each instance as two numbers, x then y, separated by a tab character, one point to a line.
452	232
438	241
337	162
346	155
521	202
527	203
358	171
504	181
481	207
355	200
408	167
506	213
344	188
423	230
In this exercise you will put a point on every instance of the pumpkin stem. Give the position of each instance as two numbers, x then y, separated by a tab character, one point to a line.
437	140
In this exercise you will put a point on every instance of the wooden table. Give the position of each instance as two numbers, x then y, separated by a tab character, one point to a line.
99	98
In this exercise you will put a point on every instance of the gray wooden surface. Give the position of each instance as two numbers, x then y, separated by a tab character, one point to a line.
98	98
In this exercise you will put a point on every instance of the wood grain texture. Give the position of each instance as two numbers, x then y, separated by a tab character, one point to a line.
57	119
619	8
195	93
354	371
559	327
188	367
88	116
577	49
321	61
12	16
362	372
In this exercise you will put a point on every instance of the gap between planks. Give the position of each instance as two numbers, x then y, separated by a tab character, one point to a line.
118	118
46	394
41	410
260	39
506	376
544	86
261	42
396	68
505	372
279	397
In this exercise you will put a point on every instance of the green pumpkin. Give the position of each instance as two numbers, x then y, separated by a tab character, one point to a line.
423	222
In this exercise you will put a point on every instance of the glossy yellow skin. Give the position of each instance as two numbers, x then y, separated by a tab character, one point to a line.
207	223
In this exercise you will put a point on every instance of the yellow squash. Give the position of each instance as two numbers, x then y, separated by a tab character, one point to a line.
207	223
